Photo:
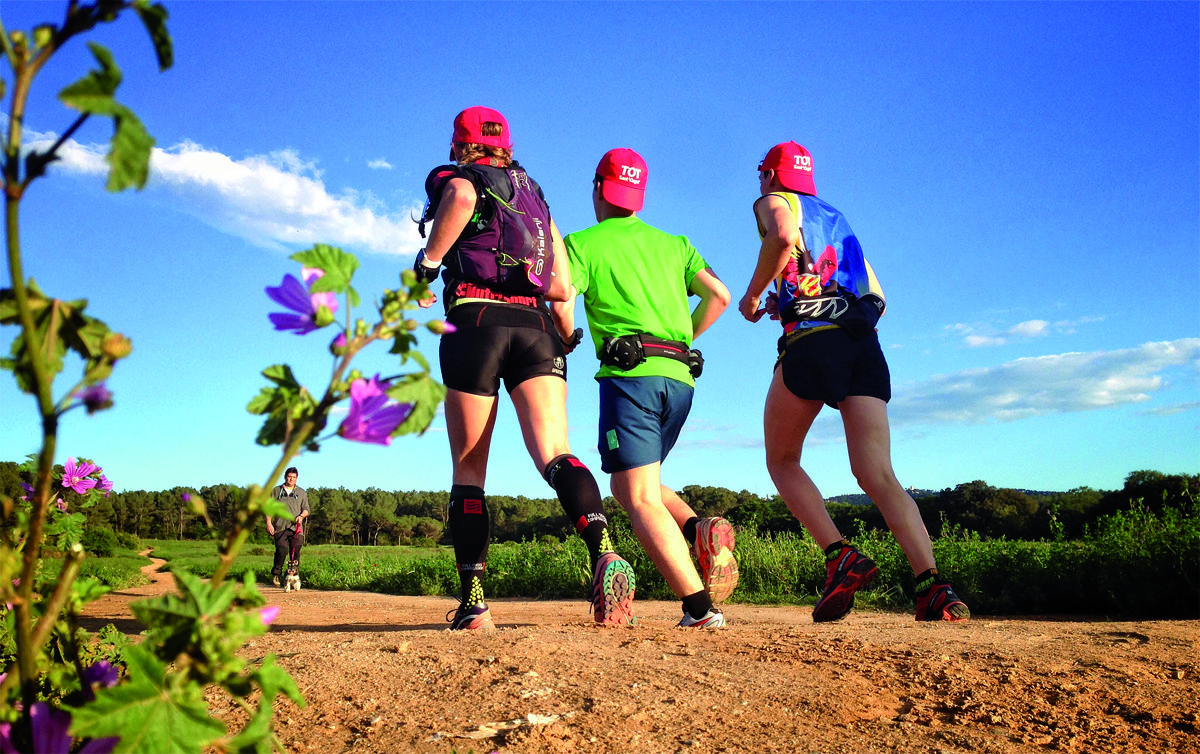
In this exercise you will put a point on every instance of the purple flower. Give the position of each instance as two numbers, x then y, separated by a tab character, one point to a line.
105	484
95	397
28	491
307	305
76	477
49	727
101	674
372	418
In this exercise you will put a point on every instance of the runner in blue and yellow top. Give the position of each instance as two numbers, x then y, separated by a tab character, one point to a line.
828	299
635	281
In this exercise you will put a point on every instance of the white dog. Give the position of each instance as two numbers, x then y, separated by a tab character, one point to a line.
293	576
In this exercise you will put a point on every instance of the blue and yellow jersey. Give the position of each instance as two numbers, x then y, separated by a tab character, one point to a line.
827	272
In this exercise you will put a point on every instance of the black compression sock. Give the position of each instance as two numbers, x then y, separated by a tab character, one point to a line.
470	530
580	497
689	529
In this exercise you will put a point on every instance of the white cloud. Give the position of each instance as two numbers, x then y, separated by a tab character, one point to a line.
380	164
1032	329
1043	385
986	335
275	201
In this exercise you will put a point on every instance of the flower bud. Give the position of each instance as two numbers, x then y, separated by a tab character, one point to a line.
117	346
323	316
338	346
439	326
411	324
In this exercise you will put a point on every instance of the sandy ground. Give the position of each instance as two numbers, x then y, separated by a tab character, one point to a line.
381	674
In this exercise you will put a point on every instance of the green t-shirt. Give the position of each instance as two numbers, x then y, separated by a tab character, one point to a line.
634	278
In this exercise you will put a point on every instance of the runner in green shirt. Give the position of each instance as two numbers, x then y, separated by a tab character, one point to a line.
635	281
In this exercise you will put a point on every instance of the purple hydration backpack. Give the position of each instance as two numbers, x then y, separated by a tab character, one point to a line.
507	245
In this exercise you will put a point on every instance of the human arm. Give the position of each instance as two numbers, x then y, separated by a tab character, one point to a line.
780	234
454	212
560	277
271	519
714	298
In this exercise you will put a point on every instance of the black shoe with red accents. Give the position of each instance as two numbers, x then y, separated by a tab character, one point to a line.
845	575
941	603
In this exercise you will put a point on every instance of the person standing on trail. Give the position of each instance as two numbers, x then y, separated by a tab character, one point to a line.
288	534
829	301
635	281
504	260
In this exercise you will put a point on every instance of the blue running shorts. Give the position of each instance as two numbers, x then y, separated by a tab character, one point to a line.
640	420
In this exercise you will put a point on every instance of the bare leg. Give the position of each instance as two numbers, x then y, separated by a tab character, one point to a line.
786	421
640	493
679	510
469	423
868	439
541	404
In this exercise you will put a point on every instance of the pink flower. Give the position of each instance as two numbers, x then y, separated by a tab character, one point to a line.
105	485
269	614
76	477
372	418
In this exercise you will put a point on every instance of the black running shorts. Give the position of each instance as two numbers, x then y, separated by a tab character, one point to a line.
830	365
495	341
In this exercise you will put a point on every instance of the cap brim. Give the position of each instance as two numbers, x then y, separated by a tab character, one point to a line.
797	182
622	196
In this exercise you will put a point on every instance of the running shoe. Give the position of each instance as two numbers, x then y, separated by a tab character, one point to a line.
714	618
275	579
845	575
612	590
714	552
470	618
941	603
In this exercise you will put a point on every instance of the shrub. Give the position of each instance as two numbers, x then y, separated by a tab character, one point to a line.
100	541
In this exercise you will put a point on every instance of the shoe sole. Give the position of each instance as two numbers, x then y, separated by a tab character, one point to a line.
478	623
714	551
837	605
616	594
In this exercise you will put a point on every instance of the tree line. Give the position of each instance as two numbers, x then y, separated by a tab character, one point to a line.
380	517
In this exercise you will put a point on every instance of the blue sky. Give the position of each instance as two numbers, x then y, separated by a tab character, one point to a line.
1023	177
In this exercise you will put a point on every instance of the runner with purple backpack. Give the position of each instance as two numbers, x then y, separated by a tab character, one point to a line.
503	259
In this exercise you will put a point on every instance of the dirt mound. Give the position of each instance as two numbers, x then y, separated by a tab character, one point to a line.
381	674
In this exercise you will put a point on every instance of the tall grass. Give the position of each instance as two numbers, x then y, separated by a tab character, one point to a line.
1133	564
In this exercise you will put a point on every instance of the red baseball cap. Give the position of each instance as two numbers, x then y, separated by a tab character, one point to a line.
794	166
468	127
624	173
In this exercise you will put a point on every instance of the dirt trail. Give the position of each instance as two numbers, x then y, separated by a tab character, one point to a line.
381	674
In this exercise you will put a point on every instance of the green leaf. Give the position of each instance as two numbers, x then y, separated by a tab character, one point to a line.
425	393
281	374
129	151
255	738
154	18
146	713
338	266
274	681
58	326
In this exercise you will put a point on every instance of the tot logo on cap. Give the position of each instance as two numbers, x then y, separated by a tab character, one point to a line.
623	173
794	166
469	128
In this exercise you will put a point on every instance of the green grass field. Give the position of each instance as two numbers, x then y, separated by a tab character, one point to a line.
1134	564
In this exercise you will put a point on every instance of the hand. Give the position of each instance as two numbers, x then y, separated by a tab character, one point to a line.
429	300
270	530
576	337
748	306
772	305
